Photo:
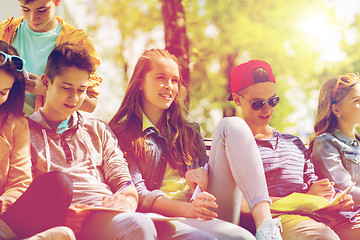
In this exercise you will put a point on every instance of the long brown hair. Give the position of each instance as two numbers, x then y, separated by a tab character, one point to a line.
325	118
15	101
127	122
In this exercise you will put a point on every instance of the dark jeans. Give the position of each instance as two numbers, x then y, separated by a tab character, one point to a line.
42	206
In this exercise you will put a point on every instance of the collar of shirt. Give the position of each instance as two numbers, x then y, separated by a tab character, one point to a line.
76	121
148	124
270	143
345	139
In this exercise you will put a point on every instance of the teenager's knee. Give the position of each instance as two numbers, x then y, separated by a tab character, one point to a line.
231	125
56	185
55	180
60	179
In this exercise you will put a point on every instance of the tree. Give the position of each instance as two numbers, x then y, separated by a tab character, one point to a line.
217	36
176	40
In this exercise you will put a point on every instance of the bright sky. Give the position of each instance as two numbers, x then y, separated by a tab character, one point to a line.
325	36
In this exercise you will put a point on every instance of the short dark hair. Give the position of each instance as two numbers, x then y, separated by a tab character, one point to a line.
68	55
27	1
260	75
15	101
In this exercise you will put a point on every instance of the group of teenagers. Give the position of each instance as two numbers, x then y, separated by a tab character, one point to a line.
68	176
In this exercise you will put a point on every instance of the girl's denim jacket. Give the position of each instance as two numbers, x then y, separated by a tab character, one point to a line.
337	157
148	175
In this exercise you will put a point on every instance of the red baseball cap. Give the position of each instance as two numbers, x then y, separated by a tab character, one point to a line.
242	76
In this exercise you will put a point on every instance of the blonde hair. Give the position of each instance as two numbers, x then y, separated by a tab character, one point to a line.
325	118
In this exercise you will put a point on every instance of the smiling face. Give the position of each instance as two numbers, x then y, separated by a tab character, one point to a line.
254	92
6	83
65	94
348	110
40	14
160	86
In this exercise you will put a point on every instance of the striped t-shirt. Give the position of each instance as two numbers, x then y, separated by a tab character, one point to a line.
287	164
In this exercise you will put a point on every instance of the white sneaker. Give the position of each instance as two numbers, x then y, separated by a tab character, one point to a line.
269	230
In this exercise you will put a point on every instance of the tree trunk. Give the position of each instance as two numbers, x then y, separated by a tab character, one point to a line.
176	40
230	65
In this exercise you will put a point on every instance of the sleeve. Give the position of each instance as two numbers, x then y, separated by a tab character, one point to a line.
4	32
146	197
115	167
309	170
327	161
95	78
19	176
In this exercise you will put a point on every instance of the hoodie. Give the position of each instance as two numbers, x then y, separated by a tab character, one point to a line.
87	152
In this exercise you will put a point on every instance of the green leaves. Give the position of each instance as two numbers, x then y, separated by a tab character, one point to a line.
225	33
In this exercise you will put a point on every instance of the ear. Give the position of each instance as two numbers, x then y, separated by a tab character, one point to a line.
236	99
45	80
335	110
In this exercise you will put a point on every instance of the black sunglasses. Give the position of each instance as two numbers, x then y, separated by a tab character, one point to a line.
16	60
259	103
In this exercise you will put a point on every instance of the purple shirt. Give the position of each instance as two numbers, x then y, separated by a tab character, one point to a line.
287	164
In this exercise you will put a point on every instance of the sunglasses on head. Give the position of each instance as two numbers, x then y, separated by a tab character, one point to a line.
16	60
347	80
259	103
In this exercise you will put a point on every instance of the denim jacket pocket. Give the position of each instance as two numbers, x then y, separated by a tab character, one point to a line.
351	162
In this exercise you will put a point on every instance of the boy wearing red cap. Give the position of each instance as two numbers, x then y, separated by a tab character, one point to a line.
235	170
286	161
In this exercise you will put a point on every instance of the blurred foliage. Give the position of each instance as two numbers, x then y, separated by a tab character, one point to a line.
225	33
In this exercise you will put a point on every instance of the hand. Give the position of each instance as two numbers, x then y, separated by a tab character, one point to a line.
199	207
76	217
197	176
34	85
323	188
346	204
118	202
